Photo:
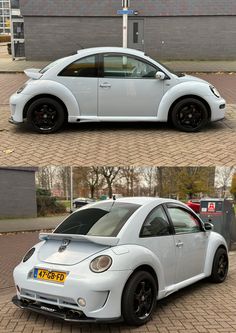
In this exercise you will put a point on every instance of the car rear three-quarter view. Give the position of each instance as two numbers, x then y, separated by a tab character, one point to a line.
112	260
115	85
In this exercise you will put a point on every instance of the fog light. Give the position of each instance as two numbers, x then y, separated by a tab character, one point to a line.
81	301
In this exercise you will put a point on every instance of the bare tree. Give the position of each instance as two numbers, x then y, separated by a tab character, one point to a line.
46	177
110	174
223	178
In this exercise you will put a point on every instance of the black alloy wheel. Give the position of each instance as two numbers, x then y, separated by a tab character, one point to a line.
139	298
220	266
46	115
189	115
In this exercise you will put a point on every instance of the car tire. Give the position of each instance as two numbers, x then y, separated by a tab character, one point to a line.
220	266
139	298
189	115
45	115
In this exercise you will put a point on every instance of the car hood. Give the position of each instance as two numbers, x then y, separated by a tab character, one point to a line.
71	249
191	78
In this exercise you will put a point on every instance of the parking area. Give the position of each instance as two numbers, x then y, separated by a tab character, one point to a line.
119	143
201	308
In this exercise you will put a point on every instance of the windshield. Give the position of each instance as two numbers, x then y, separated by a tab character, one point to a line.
103	219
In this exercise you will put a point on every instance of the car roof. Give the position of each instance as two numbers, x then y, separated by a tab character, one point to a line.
110	49
145	200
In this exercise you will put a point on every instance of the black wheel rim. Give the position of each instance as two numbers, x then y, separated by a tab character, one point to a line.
190	116
222	266
143	299
44	116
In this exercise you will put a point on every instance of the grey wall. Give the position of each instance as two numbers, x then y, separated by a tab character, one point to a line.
109	7
205	37
17	193
49	38
202	38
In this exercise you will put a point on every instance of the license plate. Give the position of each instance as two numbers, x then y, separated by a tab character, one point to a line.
54	276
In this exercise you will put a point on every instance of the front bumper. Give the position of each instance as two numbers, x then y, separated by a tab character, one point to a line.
60	313
218	108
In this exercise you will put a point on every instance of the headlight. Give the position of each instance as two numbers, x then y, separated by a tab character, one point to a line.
215	91
21	89
100	264
28	254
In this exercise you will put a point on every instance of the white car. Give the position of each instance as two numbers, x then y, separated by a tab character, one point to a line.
113	84
112	260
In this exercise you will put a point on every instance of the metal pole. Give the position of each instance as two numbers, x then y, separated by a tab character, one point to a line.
71	188
125	4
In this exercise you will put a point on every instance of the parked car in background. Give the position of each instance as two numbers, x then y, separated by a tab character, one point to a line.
194	204
113	259
113	84
80	202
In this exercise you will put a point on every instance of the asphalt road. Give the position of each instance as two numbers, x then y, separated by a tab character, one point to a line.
201	308
120	144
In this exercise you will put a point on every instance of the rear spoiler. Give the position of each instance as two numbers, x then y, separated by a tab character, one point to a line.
33	73
110	241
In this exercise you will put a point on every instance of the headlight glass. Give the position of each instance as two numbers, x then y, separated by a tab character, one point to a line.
100	264
28	254
215	91
21	89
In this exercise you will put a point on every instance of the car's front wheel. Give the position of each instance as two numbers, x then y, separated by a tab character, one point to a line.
139	298
189	115
45	115
220	266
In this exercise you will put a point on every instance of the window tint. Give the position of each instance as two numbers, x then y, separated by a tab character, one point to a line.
183	221
85	67
129	67
156	224
103	219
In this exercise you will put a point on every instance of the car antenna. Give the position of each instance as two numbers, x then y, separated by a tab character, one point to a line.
114	200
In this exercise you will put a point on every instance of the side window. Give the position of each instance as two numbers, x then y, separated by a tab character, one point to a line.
156	224
129	67
85	67
183	221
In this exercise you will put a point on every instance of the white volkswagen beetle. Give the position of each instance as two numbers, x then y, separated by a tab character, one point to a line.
112	260
113	84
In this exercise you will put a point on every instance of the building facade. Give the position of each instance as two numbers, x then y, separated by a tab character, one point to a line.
18	192
183	29
5	26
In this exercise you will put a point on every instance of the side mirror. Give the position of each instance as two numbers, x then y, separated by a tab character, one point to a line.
160	75
208	226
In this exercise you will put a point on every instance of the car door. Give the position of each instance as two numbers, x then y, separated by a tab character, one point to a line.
157	235
190	241
81	78
128	88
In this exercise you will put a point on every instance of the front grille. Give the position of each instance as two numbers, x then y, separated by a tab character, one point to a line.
49	299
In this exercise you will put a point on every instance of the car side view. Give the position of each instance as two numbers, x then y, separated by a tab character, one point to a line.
113	84
112	260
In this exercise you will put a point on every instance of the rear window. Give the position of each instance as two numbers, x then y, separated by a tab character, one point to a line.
51	65
103	219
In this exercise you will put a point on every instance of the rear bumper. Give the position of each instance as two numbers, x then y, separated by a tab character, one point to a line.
60	313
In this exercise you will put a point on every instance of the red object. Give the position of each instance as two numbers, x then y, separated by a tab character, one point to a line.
195	205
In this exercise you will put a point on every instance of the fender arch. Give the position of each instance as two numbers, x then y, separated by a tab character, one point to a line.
181	91
55	90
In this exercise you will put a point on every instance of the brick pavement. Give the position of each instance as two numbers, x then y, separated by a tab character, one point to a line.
119	143
200	308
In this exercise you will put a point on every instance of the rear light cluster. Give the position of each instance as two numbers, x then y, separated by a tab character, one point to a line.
29	254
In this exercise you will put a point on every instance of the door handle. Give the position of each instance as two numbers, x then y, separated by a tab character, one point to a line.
105	85
179	244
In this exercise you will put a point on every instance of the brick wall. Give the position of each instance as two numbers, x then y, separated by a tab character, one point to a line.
165	38
109	7
18	193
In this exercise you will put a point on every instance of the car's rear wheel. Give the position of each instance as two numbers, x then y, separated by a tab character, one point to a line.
139	298
45	115
220	266
189	115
